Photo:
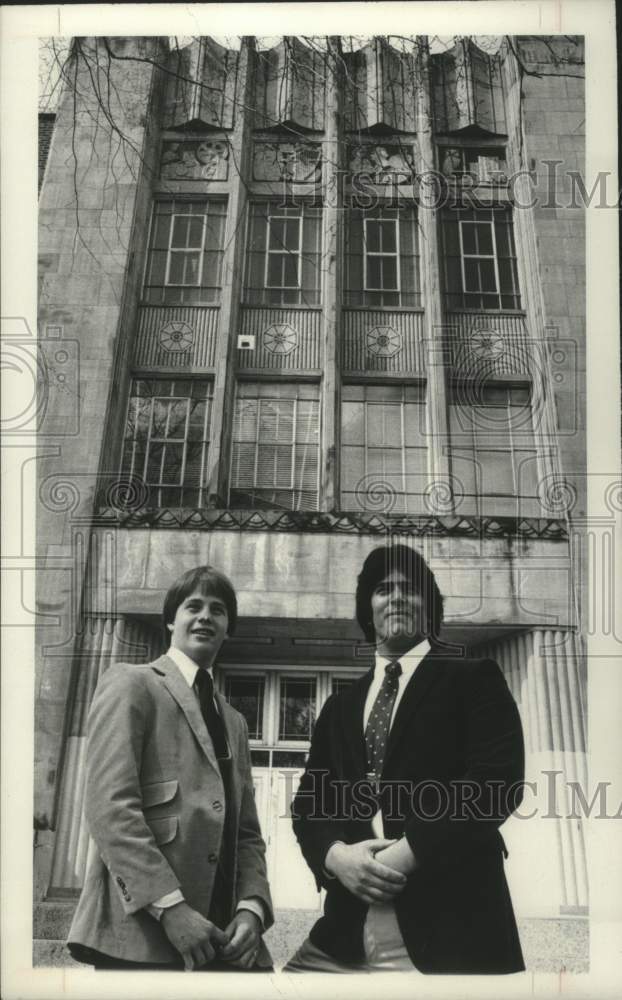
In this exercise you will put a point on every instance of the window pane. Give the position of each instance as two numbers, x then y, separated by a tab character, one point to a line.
243	465
452	245
305	467
453	274
384	426
277	234
292	235
297	708
290	271
172	464
488	280
275	270
157	427
502	236
373	279
246	695
388	241
372	234
505	276
276	420
469	244
154	463
341	684
352	468
195	232
389	272
415	425
471	276
286	445
484	238
161	231
353	423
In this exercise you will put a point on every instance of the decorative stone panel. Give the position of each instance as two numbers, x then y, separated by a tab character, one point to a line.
195	160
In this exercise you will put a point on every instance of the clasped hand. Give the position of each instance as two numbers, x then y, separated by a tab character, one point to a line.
199	941
358	870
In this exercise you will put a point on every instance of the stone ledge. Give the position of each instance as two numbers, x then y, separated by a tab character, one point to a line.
549	944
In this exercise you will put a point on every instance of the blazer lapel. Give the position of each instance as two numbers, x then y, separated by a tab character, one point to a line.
177	685
427	674
354	737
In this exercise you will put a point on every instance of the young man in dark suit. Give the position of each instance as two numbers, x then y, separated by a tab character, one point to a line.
178	876
410	774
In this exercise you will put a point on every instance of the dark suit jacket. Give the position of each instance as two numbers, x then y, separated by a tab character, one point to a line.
453	772
155	808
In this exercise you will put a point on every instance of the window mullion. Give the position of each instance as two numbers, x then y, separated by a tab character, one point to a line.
184	448
169	249
292	475
494	250
464	287
204	445
202	247
256	462
299	257
403	446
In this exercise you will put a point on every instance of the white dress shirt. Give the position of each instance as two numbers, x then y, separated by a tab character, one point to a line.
189	670
409	661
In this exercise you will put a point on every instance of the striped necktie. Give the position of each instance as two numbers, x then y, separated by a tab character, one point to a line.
379	722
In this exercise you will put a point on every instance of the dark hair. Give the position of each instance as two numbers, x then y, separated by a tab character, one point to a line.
379	564
207	580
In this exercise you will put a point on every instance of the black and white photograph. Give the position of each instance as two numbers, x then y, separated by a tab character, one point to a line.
315	500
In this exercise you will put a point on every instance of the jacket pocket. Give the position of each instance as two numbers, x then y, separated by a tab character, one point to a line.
164	829
158	792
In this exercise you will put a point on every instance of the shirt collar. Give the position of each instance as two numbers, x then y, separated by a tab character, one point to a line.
187	666
409	661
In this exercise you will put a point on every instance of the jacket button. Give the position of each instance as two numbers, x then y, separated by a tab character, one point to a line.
217	805
212	858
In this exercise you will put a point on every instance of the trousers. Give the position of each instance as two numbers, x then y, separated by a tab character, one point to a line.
385	950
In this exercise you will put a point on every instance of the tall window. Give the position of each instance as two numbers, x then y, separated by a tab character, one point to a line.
275	452
297	704
382	258
383	448
184	264
246	694
493	452
480	259
167	439
283	262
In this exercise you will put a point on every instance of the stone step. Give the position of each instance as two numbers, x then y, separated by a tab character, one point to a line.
549	944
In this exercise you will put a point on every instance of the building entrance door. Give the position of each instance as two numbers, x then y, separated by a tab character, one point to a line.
280	707
291	883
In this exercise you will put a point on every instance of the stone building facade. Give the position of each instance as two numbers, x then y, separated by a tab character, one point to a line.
293	302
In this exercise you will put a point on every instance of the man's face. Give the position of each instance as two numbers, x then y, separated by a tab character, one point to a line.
398	612
200	627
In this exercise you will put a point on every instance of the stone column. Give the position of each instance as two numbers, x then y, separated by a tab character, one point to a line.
543	669
438	498
92	203
104	641
233	270
332	244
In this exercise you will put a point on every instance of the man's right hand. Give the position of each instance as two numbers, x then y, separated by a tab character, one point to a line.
194	937
357	869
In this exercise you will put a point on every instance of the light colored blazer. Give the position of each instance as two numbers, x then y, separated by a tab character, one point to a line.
155	808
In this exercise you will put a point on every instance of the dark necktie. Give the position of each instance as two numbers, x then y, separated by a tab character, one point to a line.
221	906
213	720
379	723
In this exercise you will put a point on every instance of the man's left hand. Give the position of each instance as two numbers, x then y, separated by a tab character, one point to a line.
244	938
